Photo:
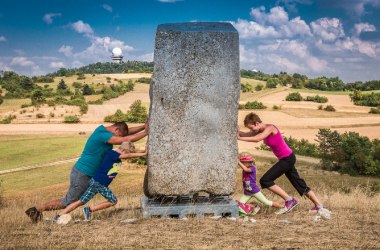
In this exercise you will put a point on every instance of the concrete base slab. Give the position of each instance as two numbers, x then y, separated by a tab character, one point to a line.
183	206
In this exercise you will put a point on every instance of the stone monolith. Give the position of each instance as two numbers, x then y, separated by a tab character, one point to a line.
194	96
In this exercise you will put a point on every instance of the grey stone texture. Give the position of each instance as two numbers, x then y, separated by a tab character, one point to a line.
194	96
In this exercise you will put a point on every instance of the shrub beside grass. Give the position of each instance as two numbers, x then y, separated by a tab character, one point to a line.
137	114
8	119
144	80
329	108
295	97
39	116
96	102
317	98
26	105
71	119
252	105
374	111
246	87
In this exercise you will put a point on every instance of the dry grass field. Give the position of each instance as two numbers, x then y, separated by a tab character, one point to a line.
296	119
354	224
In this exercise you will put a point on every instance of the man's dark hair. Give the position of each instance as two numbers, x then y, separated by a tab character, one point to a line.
122	126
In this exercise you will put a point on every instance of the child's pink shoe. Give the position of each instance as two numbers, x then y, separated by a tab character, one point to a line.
245	209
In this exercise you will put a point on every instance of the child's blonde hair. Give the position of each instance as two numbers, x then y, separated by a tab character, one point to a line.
127	147
246	155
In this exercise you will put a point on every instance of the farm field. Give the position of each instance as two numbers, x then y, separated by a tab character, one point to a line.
29	141
296	119
355	221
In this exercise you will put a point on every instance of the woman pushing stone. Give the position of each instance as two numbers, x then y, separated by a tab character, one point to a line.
271	136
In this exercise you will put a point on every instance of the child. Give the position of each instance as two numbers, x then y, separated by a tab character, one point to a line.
246	162
103	176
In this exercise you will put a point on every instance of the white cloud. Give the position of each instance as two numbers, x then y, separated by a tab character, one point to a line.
3	39
107	7
36	70
81	27
99	49
274	24
76	64
57	65
48	18
4	66
272	42
22	61
328	29
66	50
363	27
250	29
276	15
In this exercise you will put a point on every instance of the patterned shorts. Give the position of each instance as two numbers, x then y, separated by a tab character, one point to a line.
94	188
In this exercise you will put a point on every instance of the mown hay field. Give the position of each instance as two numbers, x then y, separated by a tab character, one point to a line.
354	224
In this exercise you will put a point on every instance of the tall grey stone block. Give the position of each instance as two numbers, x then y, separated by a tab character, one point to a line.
194	109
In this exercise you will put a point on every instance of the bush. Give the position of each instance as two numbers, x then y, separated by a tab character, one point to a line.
37	97
83	108
88	90
272	83
119	116
317	98
371	100
39	116
71	119
295	96
374	111
50	103
329	108
246	87
259	87
144	80
96	102
8	119
302	147
136	114
81	77
77	85
252	105
320	107
25	105
275	107
349	153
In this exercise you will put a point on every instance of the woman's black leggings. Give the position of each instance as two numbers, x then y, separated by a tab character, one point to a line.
285	166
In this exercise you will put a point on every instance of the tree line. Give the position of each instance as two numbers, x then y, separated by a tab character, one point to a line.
107	68
298	81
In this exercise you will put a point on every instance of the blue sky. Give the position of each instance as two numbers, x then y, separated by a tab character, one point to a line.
312	37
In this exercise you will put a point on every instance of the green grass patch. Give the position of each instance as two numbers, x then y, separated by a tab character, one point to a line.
17	151
54	181
13	104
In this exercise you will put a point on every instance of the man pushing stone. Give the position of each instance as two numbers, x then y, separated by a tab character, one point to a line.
101	141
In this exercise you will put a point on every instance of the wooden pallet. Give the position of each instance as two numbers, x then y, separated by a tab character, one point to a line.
184	206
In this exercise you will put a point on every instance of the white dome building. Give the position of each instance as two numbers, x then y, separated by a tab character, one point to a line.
117	55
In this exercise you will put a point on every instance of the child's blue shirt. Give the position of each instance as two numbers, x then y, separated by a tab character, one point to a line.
109	168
